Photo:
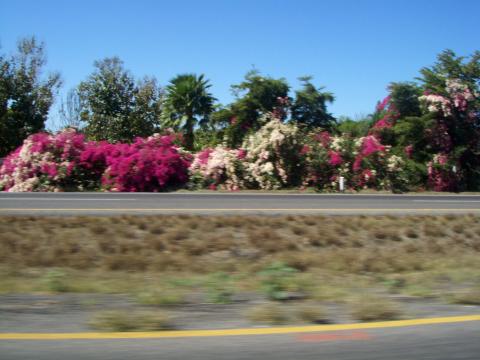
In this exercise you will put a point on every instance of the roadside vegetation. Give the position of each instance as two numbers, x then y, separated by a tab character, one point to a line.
289	266
124	134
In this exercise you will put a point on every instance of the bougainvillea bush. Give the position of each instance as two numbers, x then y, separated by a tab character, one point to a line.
274	157
47	162
362	162
66	162
327	158
151	164
218	168
454	135
433	142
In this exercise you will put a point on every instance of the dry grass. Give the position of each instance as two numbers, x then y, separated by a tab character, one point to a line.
121	254
373	308
272	314
117	320
195	243
467	297
162	297
311	313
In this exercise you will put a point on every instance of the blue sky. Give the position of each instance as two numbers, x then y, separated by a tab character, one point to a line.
354	48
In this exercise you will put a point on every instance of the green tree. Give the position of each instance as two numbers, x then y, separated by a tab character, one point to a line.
25	96
404	98
114	107
255	96
355	128
455	132
310	106
147	108
451	66
187	104
463	124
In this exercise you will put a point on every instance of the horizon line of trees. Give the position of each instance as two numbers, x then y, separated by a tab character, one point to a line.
111	104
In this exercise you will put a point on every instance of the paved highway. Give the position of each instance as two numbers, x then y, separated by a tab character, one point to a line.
454	341
231	203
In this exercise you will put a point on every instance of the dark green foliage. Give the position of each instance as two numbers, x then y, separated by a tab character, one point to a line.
404	97
114	108
25	98
187	104
256	96
451	66
412	131
462	126
310	106
356	128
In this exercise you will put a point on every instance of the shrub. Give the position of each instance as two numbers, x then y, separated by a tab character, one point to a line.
274	158
130	321
161	297
467	297
372	308
218	168
151	164
56	281
47	162
220	289
268	314
311	313
276	279
65	161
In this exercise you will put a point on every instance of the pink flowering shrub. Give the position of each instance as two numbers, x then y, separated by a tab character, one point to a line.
152	164
456	98
46	162
219	168
65	161
453	136
362	162
328	159
376	167
441	176
385	117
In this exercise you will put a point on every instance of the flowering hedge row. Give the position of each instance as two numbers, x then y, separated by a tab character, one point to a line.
275	157
65	161
278	155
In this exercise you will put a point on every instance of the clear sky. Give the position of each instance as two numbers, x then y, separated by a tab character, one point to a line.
354	48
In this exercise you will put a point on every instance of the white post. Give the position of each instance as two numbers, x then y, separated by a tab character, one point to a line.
341	184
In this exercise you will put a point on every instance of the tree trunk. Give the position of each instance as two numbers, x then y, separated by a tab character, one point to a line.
189	133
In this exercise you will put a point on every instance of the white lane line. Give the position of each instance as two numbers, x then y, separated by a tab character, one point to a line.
448	201
62	199
319	210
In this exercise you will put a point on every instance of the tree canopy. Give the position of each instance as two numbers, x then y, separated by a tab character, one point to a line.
25	96
116	108
310	106
187	103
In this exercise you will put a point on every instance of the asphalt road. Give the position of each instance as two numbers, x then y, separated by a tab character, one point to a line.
234	203
437	342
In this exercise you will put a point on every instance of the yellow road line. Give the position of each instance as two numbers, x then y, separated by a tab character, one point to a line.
236	209
236	332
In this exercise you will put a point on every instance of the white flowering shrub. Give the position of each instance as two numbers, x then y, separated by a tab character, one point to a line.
274	158
218	168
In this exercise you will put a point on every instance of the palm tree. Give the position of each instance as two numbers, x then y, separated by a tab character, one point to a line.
187	104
